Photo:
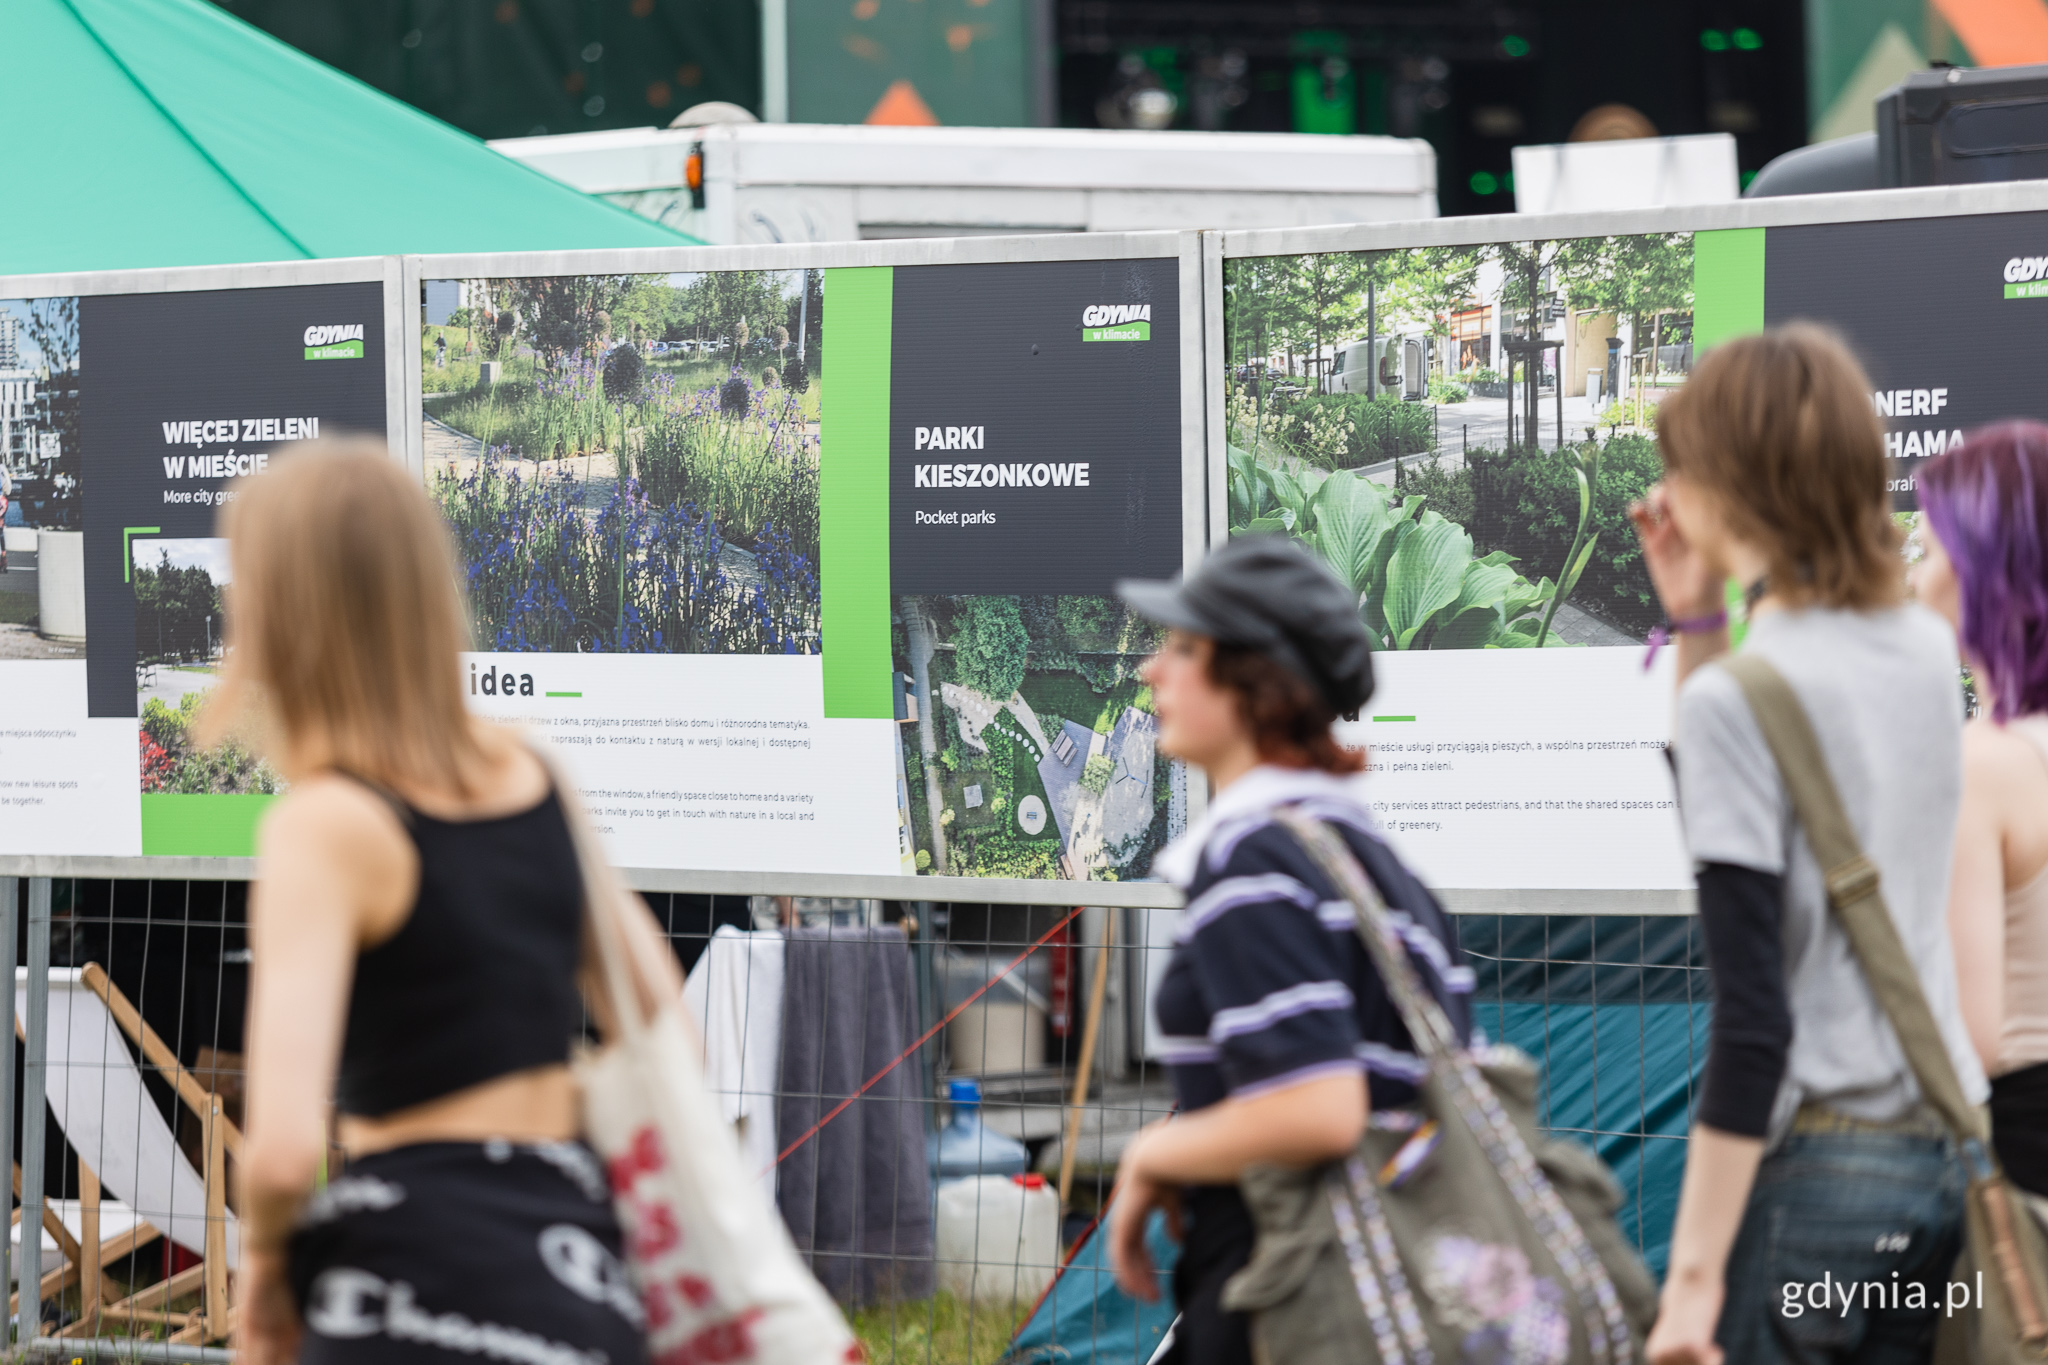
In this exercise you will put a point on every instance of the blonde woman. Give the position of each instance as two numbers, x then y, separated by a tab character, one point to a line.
416	930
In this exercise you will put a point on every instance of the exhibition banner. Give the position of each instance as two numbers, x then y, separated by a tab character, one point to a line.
125	420
810	569
1459	430
805	556
1944	313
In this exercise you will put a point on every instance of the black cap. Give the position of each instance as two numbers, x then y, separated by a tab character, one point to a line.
1269	594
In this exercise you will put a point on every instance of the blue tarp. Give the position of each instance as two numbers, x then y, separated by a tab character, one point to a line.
1631	1104
1615	1009
1085	1317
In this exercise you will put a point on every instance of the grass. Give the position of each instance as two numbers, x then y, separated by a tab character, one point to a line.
699	374
748	473
17	608
460	371
940	1330
1071	695
741	454
954	787
454	383
1002	849
1025	781
920	810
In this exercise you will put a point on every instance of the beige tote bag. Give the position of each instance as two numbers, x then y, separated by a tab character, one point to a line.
718	1275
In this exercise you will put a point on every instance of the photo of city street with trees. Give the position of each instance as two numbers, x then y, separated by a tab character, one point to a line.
1459	431
1033	751
39	468
630	462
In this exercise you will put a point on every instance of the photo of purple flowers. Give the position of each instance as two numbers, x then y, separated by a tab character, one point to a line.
629	462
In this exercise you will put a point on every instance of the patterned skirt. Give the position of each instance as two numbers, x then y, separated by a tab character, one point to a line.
490	1251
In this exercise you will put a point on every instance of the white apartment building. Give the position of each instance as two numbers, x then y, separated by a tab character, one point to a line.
17	401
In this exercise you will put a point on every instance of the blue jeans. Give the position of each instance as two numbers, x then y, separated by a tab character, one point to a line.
1837	1219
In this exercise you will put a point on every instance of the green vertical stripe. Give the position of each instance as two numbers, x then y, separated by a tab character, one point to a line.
853	494
1727	285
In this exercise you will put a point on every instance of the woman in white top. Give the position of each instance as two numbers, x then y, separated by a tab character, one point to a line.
1811	1160
1985	507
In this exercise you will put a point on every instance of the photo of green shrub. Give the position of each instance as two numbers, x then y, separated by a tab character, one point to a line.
630	462
173	764
1032	751
178	651
1459	431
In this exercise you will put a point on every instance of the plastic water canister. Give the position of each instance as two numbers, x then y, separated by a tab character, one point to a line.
966	1147
998	1238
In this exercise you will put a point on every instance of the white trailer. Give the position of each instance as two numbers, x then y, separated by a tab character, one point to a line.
786	182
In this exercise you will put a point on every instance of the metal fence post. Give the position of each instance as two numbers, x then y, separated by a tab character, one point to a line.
9	889
930	1005
34	1084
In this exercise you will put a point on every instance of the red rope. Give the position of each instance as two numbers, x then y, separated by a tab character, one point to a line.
924	1038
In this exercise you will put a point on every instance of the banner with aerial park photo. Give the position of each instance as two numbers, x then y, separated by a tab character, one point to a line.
125	417
810	569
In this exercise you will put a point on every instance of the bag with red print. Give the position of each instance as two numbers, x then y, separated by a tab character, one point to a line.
717	1271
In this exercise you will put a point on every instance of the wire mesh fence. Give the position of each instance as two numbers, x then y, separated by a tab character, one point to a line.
933	1097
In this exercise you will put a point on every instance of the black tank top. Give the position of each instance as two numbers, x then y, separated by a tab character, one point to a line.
480	980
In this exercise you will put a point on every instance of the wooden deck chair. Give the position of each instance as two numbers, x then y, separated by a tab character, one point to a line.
68	1226
125	1148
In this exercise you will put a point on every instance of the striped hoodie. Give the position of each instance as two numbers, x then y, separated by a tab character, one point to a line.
1268	984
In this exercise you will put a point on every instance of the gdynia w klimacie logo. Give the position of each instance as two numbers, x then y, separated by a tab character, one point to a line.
2026	277
1116	322
340	341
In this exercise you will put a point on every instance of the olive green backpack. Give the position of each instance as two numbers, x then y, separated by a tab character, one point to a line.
1455	1231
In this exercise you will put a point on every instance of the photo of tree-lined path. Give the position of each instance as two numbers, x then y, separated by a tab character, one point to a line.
1459	431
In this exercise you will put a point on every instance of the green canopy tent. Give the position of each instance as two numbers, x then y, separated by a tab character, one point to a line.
147	133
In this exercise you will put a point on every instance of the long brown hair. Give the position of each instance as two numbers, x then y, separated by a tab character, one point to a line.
1288	716
1781	428
345	621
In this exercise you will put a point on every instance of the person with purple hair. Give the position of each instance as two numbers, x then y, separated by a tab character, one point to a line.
1984	505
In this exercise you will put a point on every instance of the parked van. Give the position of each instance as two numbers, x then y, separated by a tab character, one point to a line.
1404	364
